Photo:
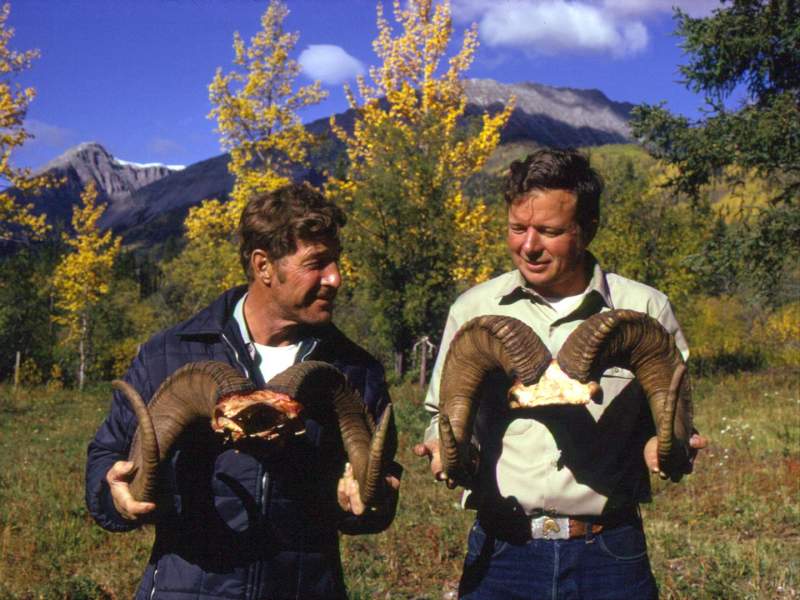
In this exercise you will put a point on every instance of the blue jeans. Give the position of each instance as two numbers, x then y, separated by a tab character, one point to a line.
611	565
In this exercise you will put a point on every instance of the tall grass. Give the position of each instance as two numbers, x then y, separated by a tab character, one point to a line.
731	530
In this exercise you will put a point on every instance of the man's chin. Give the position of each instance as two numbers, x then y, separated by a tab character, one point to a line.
536	279
320	317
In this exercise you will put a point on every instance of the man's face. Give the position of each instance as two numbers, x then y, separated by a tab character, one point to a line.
546	242
306	282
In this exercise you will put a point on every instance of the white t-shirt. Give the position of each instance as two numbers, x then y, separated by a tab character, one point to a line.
275	359
270	360
564	306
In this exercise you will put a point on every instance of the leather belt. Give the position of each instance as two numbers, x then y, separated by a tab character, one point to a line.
520	528
561	528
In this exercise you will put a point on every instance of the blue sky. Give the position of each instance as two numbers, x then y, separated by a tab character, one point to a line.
134	75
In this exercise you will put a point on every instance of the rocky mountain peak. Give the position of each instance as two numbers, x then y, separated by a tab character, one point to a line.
149	202
554	116
114	179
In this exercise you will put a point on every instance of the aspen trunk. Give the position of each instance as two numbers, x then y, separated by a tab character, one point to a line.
16	371
398	364
82	350
423	367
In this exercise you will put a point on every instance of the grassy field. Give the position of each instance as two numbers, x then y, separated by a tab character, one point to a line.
732	530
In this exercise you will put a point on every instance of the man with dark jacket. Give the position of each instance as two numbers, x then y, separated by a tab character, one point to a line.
240	524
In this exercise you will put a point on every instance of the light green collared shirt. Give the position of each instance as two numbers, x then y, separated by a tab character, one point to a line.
571	460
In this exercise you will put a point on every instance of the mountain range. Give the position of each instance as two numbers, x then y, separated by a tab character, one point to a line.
148	202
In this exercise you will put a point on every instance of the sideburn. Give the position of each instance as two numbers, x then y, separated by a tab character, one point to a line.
279	272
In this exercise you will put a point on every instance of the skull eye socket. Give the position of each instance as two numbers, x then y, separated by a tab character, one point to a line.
262	413
258	417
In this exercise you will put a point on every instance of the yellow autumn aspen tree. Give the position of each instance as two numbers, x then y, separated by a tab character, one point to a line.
413	235
17	222
256	108
83	276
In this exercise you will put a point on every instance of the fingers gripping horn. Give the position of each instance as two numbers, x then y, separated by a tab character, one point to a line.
188	395
635	341
369	447
479	347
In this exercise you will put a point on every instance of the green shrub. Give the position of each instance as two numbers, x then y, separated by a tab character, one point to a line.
779	336
720	334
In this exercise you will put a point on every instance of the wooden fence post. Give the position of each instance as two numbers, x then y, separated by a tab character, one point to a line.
16	371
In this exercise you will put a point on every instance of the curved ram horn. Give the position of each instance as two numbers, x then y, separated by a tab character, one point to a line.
635	341
188	395
368	453
480	346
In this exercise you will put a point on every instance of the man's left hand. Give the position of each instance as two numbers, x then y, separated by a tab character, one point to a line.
348	492
696	442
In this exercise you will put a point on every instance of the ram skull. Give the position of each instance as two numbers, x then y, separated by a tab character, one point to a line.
218	394
616	338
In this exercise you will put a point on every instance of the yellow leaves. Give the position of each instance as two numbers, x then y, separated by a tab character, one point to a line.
779	335
210	230
719	326
256	112
14	215
472	224
83	276
725	327
211	220
409	132
256	109
16	219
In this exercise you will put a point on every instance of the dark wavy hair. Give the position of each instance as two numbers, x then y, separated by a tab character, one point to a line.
273	222
550	169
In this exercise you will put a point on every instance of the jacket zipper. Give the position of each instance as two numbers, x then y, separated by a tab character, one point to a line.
311	349
264	491
255	573
153	591
264	494
235	355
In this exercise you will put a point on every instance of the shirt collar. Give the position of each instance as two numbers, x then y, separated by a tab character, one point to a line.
516	287
306	345
238	316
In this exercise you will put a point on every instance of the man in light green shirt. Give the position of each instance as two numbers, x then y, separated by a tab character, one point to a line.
558	512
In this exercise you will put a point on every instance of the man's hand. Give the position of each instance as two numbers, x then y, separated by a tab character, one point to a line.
430	449
696	442
347	492
118	478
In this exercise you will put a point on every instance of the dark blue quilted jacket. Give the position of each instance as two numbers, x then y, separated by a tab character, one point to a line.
236	524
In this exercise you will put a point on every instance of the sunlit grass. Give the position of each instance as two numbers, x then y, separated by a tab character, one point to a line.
731	530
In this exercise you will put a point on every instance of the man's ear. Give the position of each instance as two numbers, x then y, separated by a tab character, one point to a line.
261	266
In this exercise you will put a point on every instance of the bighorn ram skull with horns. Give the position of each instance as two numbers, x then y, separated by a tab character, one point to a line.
622	338
219	394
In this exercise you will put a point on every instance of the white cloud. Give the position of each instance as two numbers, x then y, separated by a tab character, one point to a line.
330	64
558	26
465	11
45	134
472	10
548	26
695	8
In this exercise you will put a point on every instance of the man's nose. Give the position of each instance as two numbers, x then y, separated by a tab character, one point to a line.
532	243
331	276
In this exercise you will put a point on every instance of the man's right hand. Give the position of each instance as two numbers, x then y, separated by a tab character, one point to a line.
118	478
430	449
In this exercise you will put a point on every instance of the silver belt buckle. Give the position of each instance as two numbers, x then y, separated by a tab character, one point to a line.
550	528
